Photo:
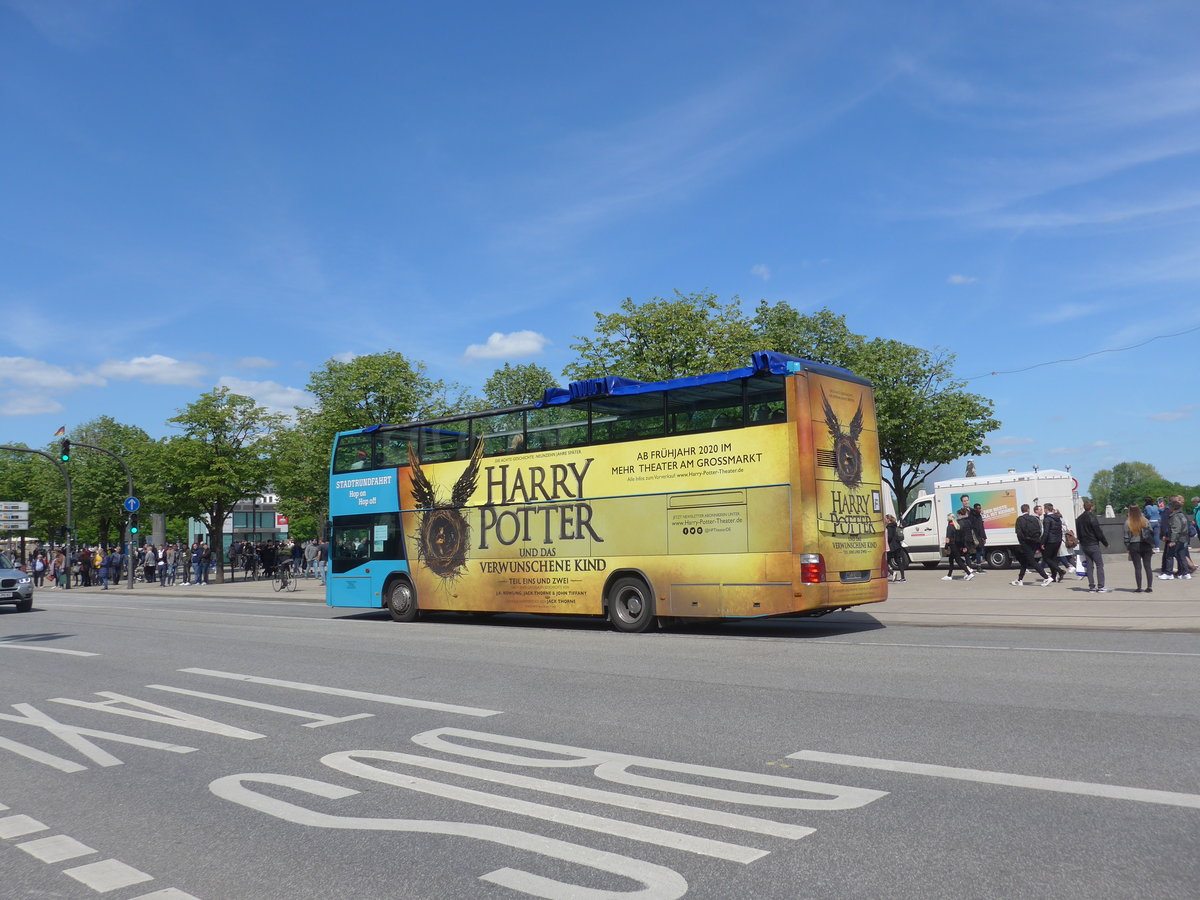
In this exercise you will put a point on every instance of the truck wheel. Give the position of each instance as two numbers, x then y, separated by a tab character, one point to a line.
630	605
402	601
999	558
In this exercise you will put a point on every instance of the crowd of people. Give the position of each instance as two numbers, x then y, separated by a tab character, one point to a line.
1049	547
170	564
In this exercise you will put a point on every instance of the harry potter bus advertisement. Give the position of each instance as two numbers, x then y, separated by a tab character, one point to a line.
541	531
849	498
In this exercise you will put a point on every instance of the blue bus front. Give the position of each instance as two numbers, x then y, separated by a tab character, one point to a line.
366	544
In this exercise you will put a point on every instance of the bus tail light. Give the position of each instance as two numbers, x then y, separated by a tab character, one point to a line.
812	568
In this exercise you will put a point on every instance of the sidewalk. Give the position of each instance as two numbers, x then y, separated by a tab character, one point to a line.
989	599
925	599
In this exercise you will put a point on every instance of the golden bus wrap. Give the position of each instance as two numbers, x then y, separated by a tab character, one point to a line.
717	523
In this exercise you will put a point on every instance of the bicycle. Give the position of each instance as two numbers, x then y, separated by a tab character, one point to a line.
284	578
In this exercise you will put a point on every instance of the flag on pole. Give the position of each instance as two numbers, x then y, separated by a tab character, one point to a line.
62	429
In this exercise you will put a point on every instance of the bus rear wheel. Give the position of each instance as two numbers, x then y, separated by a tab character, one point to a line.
402	601
630	605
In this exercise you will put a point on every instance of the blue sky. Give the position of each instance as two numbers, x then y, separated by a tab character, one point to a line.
203	193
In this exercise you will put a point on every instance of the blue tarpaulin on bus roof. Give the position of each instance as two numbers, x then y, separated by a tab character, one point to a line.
764	362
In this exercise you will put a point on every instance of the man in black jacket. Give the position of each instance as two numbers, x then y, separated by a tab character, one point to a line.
1091	536
1052	538
1029	536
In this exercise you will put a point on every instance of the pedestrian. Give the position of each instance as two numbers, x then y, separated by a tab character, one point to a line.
1139	543
1029	539
1052	538
1175	541
149	563
895	540
39	569
171	558
1091	538
1152	512
195	557
310	558
956	531
979	533
106	569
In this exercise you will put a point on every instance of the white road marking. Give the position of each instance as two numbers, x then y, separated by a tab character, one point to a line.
1111	791
73	735
56	849
319	719
107	875
346	762
17	826
163	715
610	766
166	894
344	692
609	798
657	882
12	645
41	756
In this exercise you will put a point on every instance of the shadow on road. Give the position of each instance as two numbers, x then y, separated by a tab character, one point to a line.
796	628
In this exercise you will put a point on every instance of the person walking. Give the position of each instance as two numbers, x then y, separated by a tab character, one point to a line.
895	555
1139	543
1091	538
1052	537
1029	538
956	531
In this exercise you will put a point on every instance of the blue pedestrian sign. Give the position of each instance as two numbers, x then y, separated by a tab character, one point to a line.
132	504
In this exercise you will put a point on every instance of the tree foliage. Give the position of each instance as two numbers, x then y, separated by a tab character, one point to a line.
926	418
1116	485
516	385
659	339
220	458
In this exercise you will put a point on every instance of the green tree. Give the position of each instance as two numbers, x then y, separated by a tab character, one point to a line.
821	336
220	458
659	339
374	389
1122	484
925	417
516	385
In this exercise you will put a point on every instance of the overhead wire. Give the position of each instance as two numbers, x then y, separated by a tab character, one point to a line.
1054	362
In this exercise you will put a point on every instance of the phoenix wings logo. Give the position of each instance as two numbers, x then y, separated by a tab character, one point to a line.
445	534
846	454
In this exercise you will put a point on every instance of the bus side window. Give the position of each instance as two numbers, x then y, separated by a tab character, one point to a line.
353	453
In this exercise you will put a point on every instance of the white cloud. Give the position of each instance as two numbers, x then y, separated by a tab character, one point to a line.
255	362
271	394
503	346
348	356
1174	415
34	373
961	279
156	369
15	403
762	271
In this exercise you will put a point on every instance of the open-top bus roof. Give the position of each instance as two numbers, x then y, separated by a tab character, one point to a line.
763	362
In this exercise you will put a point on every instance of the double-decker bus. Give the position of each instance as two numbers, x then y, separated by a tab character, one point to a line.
747	493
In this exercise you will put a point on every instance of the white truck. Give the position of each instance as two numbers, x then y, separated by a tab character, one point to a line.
1000	498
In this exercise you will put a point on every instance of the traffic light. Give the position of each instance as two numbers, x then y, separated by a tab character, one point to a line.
133	525
65	452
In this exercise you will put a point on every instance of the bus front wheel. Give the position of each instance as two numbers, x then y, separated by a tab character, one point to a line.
630	605
402	601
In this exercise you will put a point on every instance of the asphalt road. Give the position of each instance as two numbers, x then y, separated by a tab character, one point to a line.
213	748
